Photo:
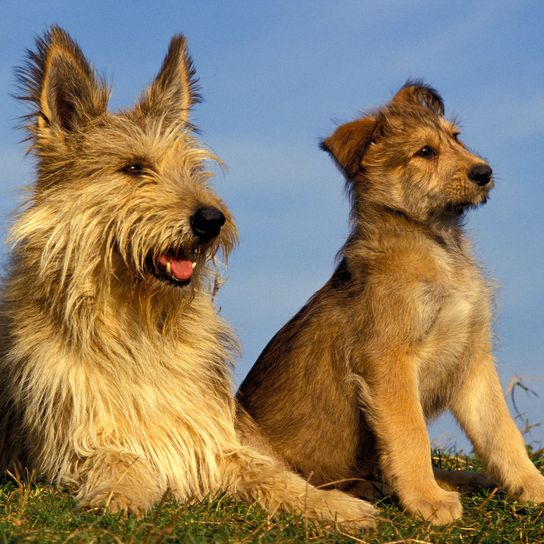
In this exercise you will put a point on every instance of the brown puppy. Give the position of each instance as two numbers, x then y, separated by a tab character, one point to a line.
402	330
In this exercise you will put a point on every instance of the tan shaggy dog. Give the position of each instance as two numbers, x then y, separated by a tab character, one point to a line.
115	368
401	331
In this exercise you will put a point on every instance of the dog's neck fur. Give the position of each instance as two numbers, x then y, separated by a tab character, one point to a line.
376	221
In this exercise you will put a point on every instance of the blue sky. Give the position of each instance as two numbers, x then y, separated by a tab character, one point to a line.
276	77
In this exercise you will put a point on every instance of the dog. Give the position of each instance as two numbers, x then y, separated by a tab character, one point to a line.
115	368
402	329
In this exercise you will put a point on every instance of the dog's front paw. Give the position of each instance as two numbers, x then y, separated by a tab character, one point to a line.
437	507
533	491
351	513
118	503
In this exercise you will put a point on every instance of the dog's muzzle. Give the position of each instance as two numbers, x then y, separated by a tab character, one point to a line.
207	222
480	174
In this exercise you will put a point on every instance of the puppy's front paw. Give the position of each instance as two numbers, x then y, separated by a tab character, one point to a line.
437	507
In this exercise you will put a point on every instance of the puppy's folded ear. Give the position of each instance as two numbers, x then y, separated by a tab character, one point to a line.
418	93
347	145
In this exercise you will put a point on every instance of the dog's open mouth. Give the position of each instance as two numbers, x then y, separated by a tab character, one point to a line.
175	267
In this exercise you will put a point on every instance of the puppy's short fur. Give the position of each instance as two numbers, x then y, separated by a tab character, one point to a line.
114	365
402	330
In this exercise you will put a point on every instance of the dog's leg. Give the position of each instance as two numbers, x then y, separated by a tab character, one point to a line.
481	410
391	399
120	483
371	490
255	477
464	481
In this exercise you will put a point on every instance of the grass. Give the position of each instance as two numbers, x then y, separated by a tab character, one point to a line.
33	512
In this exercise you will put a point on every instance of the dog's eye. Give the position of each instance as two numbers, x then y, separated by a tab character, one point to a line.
426	152
133	169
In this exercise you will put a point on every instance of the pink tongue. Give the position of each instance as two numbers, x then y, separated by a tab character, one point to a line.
182	270
179	268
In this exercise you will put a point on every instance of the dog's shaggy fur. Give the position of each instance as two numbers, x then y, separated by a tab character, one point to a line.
401	331
115	367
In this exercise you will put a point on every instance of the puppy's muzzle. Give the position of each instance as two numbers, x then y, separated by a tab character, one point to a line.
480	174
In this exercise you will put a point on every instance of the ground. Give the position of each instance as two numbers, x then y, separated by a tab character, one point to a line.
33	512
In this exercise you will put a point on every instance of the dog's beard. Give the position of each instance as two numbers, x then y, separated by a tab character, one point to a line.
458	209
461	208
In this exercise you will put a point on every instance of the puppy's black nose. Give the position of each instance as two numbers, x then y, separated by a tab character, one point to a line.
480	174
207	222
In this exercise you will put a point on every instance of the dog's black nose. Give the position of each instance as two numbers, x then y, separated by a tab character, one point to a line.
207	222
480	174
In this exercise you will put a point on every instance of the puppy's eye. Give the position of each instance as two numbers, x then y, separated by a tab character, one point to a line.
426	152
133	169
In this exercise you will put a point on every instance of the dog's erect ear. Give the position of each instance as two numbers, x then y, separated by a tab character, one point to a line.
418	93
348	144
175	89
62	86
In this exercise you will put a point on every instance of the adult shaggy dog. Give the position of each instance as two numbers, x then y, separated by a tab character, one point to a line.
115	367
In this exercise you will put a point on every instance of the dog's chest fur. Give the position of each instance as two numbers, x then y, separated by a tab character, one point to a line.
456	310
126	387
424	296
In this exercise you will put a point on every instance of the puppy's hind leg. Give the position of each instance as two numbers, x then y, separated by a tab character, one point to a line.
463	481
